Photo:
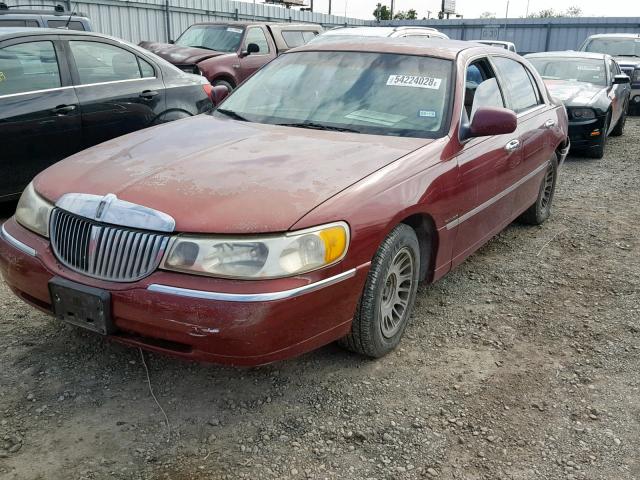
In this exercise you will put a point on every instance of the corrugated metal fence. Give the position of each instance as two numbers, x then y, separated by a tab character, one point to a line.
147	19
529	34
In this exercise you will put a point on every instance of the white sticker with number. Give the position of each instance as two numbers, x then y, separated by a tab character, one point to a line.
415	81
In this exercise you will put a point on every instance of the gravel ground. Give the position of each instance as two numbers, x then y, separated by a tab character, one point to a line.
521	364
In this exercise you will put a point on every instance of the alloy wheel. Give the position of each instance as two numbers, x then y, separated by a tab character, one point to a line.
547	189
396	292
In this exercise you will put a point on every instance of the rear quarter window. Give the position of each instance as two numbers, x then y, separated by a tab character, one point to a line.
73	25
297	38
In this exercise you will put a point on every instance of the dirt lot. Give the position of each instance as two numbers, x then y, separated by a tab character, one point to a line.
521	364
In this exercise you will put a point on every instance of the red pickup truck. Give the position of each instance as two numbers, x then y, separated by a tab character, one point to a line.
228	53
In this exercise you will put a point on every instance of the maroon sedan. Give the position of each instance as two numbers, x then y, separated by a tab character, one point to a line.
300	212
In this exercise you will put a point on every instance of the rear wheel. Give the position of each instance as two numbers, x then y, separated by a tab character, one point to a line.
538	213
388	297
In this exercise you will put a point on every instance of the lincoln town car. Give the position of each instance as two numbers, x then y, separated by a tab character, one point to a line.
304	210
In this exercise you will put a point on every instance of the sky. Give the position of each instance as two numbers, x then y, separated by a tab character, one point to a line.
474	8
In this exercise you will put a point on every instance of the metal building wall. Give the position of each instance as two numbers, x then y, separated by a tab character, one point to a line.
530	35
147	19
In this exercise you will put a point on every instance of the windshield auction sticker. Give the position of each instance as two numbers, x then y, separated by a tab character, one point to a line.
415	81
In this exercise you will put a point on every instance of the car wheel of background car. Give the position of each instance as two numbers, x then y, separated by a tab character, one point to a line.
216	83
619	128
598	150
537	213
388	297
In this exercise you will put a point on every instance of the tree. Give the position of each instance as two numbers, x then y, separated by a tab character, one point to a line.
573	12
410	14
551	13
382	12
487	15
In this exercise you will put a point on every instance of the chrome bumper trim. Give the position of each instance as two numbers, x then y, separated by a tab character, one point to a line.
252	297
16	243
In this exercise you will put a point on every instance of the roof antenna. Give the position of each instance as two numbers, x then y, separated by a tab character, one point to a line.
73	12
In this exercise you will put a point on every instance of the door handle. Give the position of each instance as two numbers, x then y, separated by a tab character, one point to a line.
549	123
148	94
512	146
63	109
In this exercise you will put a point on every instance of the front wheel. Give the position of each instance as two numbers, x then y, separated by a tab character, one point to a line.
619	128
598	150
388	297
217	83
540	211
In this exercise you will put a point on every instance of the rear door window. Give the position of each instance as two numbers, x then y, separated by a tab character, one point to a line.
101	62
517	83
28	67
18	23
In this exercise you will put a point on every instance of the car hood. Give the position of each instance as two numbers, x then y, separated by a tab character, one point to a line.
573	93
224	176
628	62
180	55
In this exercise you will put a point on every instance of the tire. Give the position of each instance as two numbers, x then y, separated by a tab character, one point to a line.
622	121
598	150
540	211
389	293
216	83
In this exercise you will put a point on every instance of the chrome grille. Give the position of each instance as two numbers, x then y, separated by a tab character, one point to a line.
103	251
627	71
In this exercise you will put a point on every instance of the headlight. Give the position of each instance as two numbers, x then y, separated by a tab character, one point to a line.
254	257
582	113
33	211
636	76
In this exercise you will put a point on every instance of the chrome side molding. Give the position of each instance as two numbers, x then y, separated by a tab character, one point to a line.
16	243
110	209
252	297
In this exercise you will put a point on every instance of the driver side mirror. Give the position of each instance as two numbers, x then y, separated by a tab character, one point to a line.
488	121
219	93
171	41
621	80
251	48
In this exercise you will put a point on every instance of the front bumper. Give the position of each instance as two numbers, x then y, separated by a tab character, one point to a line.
200	318
586	134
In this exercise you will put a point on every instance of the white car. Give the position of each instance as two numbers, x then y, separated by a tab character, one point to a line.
498	44
343	33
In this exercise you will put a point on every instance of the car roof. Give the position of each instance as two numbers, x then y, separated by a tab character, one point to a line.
436	47
14	32
497	42
615	35
374	31
246	23
569	53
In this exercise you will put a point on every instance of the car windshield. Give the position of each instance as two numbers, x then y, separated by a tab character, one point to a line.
571	69
375	93
617	47
221	38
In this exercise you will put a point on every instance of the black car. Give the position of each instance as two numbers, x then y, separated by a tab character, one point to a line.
63	91
594	91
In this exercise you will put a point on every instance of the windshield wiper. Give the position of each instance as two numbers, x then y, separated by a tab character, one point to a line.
318	126
231	114
626	55
202	46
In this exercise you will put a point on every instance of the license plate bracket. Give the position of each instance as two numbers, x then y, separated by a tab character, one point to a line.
81	305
